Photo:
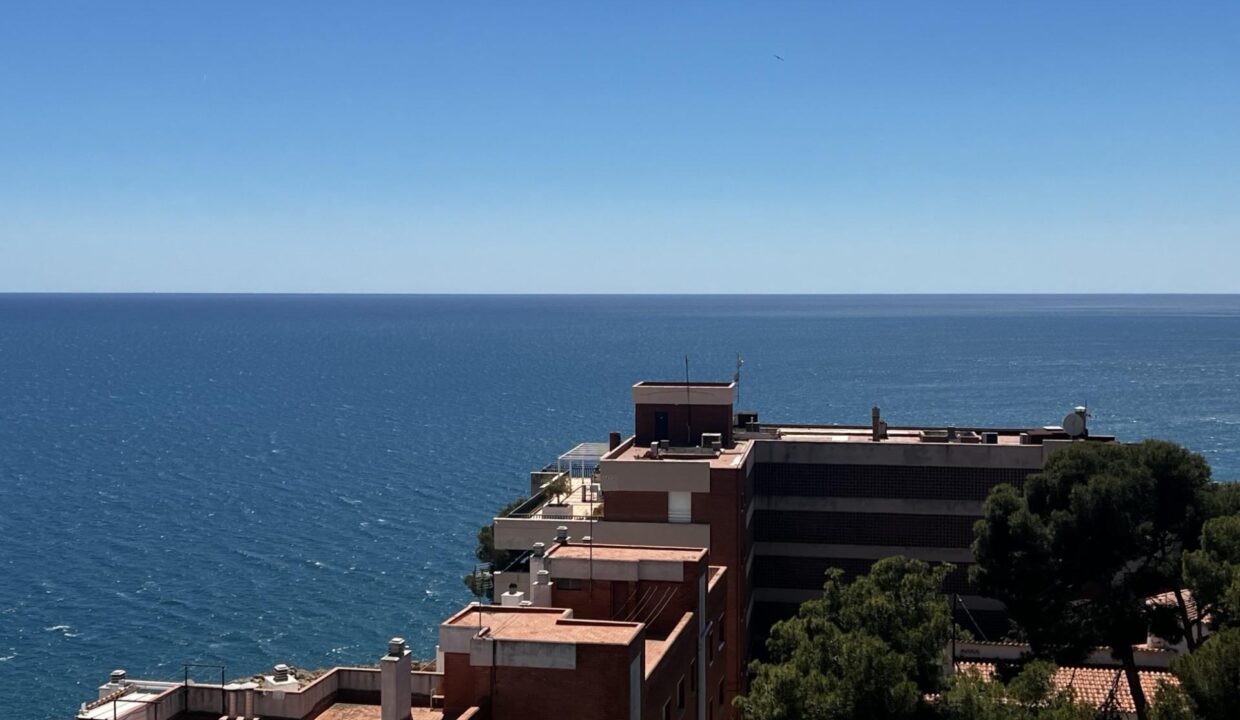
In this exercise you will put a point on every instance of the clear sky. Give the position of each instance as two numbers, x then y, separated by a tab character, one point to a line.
635	147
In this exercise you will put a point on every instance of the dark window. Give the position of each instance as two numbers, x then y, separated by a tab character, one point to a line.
660	426
720	692
710	646
891	481
667	710
722	632
680	694
568	583
693	675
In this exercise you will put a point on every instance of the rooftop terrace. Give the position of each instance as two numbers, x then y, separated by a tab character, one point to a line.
535	624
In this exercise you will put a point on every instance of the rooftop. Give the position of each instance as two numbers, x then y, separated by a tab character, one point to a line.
534	624
354	711
630	553
1098	687
733	457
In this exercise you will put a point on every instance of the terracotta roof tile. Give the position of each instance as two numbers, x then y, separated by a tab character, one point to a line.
1099	687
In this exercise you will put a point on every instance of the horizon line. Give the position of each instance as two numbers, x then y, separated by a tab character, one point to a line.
930	293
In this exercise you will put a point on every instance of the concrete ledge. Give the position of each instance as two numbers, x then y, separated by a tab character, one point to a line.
975	603
897	506
808	452
862	552
522	533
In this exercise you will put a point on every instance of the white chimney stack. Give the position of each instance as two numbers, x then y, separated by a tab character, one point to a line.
395	681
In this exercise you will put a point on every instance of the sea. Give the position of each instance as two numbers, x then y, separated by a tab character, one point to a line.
244	480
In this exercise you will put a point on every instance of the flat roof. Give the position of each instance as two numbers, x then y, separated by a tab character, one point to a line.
532	624
358	711
733	457
859	434
629	553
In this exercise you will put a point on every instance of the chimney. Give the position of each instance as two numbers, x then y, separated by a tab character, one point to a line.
538	561
878	427
540	589
512	598
613	440
561	534
395	681
117	677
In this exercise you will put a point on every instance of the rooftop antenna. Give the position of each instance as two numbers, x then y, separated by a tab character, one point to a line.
737	378
688	406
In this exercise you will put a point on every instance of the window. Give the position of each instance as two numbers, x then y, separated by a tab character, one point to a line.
568	584
680	694
693	675
722	632
710	646
679	507
667	710
720	693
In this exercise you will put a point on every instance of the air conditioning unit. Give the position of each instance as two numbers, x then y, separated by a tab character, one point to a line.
712	440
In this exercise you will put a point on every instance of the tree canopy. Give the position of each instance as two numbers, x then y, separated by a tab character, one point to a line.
865	650
1211	676
1075	553
1213	571
486	553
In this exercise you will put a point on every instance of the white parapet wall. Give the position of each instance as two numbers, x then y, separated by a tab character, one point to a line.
664	475
522	533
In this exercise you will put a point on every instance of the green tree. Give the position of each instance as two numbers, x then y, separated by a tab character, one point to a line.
865	650
1211	675
1075	554
1171	703
1213	571
1031	695
479	583
557	488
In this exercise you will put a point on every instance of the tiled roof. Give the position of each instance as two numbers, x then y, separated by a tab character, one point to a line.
1168	598
1103	688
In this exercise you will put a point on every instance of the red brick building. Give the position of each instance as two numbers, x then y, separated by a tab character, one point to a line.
780	503
610	631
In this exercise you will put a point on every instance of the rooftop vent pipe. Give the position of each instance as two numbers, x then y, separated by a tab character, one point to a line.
280	673
540	549
117	677
561	534
878	427
396	647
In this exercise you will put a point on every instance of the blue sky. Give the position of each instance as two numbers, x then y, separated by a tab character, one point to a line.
635	147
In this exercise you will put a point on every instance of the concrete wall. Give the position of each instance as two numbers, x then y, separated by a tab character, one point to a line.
522	533
299	704
673	394
655	475
891	453
502	580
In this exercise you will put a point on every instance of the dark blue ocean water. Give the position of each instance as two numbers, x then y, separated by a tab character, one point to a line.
258	479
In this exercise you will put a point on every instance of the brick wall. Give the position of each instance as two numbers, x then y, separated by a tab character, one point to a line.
704	419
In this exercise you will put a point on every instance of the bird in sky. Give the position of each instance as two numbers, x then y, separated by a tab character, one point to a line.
779	58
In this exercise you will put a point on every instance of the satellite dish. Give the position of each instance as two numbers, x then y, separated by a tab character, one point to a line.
1074	424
